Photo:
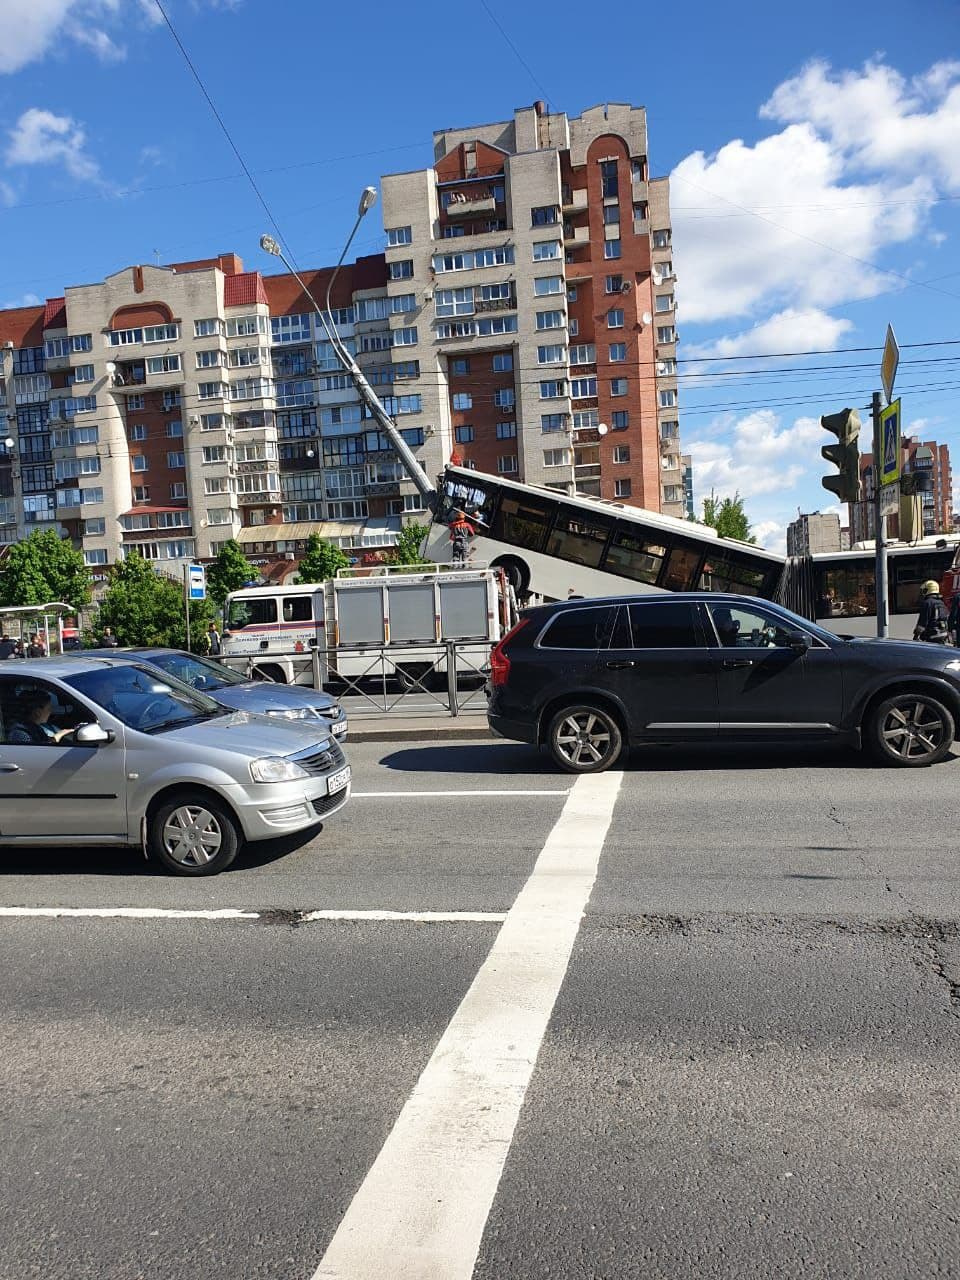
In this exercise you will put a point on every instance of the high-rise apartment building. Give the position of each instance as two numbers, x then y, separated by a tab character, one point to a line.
923	457
521	321
818	531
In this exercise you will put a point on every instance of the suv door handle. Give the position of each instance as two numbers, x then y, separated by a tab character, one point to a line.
736	662
619	665
9	768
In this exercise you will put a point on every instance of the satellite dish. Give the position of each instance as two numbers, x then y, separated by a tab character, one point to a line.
602	429
646	317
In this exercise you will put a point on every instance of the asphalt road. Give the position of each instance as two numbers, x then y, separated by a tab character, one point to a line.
742	1062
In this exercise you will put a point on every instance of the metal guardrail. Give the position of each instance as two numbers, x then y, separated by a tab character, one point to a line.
415	679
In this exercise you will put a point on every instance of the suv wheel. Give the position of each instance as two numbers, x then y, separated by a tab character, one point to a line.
910	730
192	835
584	739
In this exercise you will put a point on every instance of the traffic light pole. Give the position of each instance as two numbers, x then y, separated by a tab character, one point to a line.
882	593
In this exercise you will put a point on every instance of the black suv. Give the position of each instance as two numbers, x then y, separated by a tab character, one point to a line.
585	678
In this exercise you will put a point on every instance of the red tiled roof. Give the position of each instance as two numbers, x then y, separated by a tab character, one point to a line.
55	314
244	289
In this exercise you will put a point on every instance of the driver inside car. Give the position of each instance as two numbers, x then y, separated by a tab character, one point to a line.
31	725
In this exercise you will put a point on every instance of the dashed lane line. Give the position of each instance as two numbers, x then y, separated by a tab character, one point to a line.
421	1210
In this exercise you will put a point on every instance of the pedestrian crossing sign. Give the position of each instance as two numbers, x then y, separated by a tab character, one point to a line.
890	444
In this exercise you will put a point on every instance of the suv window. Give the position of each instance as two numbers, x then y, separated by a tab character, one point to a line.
589	628
741	628
670	624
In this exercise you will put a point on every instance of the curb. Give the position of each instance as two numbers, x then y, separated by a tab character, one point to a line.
421	733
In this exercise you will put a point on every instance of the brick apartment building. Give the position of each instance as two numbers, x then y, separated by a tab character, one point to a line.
524	303
923	456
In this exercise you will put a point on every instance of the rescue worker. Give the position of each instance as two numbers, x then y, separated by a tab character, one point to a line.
461	531
932	620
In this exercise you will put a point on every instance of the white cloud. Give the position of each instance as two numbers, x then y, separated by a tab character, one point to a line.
793	329
8	196
880	120
29	27
755	455
41	137
770	534
28	300
97	40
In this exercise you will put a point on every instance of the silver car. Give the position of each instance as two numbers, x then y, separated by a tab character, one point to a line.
101	752
239	692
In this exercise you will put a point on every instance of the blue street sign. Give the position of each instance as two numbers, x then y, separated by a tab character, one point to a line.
890	444
196	582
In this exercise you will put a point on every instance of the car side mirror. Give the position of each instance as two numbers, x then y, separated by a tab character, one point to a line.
92	735
799	641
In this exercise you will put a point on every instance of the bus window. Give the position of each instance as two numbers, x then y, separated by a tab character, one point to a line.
461	495
846	592
581	541
261	611
522	522
681	569
632	556
722	574
298	609
909	572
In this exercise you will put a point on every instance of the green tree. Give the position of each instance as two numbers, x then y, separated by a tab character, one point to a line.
145	608
42	568
321	560
409	541
229	572
727	516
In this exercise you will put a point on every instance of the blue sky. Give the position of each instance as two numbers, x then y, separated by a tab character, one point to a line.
814	152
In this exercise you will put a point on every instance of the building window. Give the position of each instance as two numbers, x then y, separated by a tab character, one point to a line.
138	431
546	250
402	269
586	420
95	527
507	465
171	400
175	430
209	359
667	367
583	353
96	555
618	352
207	328
556	457
622	488
582	388
618	386
463	435
552	390
621	453
178	490
463	400
551	355
544	215
506	430
673	493
573	326
666	333
413	436
661	239
176	461
544	285
161	333
549	319
611	214
399	235
571	293
81	342
670	430
82	373
248	326
668	399
612	284
503	362
608	179
615	318
552	421
290	328
138	462
504	398
620	420
611	248
141	493
663	302
460	366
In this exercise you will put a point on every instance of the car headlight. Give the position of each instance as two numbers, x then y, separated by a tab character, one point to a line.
333	712
292	713
276	769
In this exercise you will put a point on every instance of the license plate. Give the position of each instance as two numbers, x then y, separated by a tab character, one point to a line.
339	727
337	781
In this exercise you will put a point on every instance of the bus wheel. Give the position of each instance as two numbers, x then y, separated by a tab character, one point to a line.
271	672
517	573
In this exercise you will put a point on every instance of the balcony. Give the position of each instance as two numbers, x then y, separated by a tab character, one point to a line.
129	375
259	497
495	304
573	201
575	236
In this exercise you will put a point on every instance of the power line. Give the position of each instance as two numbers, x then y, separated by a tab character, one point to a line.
519	56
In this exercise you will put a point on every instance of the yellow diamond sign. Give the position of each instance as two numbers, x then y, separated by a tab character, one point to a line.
888	364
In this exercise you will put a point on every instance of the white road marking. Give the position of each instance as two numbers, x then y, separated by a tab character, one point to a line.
402	795
421	1211
133	913
422	917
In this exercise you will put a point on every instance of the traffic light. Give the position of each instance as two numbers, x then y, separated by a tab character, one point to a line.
845	454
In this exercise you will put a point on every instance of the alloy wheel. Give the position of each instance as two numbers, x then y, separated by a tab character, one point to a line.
583	738
913	730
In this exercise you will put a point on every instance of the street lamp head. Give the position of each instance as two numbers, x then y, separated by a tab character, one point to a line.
9	442
269	245
367	200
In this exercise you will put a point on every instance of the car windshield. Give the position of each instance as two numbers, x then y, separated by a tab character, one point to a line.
139	698
198	673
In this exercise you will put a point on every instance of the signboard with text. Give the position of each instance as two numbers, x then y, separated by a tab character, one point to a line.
196	582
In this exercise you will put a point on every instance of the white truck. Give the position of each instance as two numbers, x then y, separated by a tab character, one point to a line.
389	620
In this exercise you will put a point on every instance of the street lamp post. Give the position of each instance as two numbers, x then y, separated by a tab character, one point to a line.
367	394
